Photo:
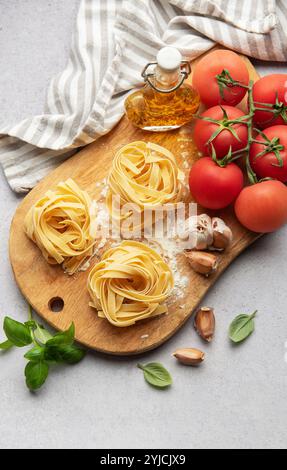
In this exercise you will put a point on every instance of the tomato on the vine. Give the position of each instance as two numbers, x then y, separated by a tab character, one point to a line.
226	134
262	207
213	64
263	158
271	89
213	186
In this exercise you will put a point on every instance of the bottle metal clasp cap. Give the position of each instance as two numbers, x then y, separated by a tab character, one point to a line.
185	70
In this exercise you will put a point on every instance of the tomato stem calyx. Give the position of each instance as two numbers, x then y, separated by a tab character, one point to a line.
225	80
271	146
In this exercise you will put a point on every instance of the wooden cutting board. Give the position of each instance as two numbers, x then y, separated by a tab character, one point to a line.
41	283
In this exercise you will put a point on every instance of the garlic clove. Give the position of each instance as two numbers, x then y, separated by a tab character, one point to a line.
189	356
202	262
204	323
222	234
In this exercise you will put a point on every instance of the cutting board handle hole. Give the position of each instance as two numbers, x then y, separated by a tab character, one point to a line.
56	304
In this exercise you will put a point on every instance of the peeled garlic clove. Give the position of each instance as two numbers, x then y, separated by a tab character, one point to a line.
204	323
189	356
222	234
202	262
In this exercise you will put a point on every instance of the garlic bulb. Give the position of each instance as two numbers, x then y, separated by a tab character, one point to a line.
198	232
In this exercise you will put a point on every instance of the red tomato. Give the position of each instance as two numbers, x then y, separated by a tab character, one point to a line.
212	186
204	77
266	166
264	91
262	207
203	131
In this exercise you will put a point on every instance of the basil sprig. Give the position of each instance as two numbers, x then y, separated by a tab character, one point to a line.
47	349
241	327
156	375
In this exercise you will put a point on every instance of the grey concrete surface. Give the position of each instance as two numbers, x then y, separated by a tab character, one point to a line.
237	399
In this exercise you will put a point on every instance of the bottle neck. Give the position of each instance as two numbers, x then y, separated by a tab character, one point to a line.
164	79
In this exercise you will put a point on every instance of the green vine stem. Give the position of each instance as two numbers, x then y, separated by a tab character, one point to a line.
251	174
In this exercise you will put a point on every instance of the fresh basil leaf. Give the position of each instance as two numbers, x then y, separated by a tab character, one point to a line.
41	334
35	354
18	333
155	374
65	337
36	374
64	353
241	327
6	345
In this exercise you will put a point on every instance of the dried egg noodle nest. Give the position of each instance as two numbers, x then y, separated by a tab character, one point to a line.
59	224
144	174
130	283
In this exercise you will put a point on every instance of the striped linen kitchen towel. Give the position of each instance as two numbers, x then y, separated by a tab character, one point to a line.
112	42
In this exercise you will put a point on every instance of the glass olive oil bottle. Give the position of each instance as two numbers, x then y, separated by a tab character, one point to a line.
165	102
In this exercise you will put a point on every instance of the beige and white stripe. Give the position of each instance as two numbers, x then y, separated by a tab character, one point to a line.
113	40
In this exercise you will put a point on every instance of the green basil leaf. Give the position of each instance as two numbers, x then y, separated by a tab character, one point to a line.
41	334
155	374
64	353
65	337
6	345
36	374
241	327
18	333
36	354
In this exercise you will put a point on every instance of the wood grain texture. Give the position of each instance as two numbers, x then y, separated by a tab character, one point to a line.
40	282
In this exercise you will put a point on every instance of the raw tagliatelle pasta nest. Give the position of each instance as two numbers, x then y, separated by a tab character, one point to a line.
59	224
130	283
144	174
